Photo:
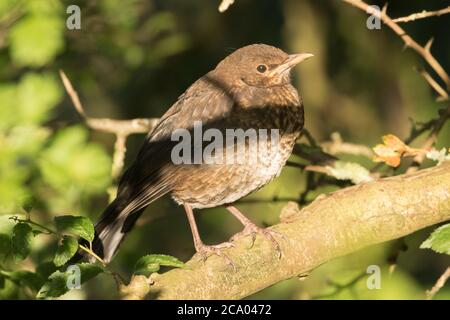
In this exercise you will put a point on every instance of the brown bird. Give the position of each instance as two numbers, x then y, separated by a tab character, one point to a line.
249	89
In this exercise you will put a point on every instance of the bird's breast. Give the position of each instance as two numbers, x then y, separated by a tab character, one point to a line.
254	162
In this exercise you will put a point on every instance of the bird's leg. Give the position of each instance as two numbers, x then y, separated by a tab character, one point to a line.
252	229
200	247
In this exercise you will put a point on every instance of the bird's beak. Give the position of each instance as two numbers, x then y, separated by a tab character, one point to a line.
291	61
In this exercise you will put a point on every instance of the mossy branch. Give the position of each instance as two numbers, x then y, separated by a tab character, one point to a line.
332	226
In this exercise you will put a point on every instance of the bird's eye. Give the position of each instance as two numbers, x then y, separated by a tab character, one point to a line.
261	68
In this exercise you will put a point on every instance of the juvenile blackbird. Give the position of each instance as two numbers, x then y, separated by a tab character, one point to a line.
250	88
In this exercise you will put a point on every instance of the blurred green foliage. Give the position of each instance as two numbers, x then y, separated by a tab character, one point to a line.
133	58
43	168
71	162
35	160
40	34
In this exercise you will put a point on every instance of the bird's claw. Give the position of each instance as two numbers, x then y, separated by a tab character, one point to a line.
252	230
207	250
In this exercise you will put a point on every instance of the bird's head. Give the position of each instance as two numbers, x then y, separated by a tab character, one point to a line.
258	65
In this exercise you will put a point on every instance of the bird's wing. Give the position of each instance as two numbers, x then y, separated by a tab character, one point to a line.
153	173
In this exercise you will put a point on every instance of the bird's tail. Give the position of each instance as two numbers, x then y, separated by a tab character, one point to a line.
111	229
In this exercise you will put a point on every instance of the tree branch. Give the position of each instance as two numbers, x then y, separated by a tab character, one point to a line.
422	15
120	128
337	145
225	4
332	226
424	51
443	95
438	285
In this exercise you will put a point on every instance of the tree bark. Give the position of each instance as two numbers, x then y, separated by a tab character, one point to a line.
332	226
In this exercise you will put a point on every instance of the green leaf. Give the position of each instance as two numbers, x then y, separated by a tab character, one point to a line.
12	192
71	162
169	45
36	39
5	245
21	240
45	269
65	251
47	7
37	232
160	22
148	264
81	226
28	103
61	282
7	223
37	94
439	240
26	142
9	291
8	111
6	6
27	278
122	14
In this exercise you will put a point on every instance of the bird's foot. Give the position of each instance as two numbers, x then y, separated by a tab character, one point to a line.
252	230
207	250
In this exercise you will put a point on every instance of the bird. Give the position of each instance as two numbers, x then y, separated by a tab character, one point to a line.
249	89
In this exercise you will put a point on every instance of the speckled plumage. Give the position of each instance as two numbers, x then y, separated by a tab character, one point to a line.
218	184
233	95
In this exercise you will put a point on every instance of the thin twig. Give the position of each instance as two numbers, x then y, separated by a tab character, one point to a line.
438	285
124	127
340	287
395	250
311	168
92	253
422	15
72	94
336	146
48	230
117	277
120	128
443	95
120	149
225	4
435	126
424	51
